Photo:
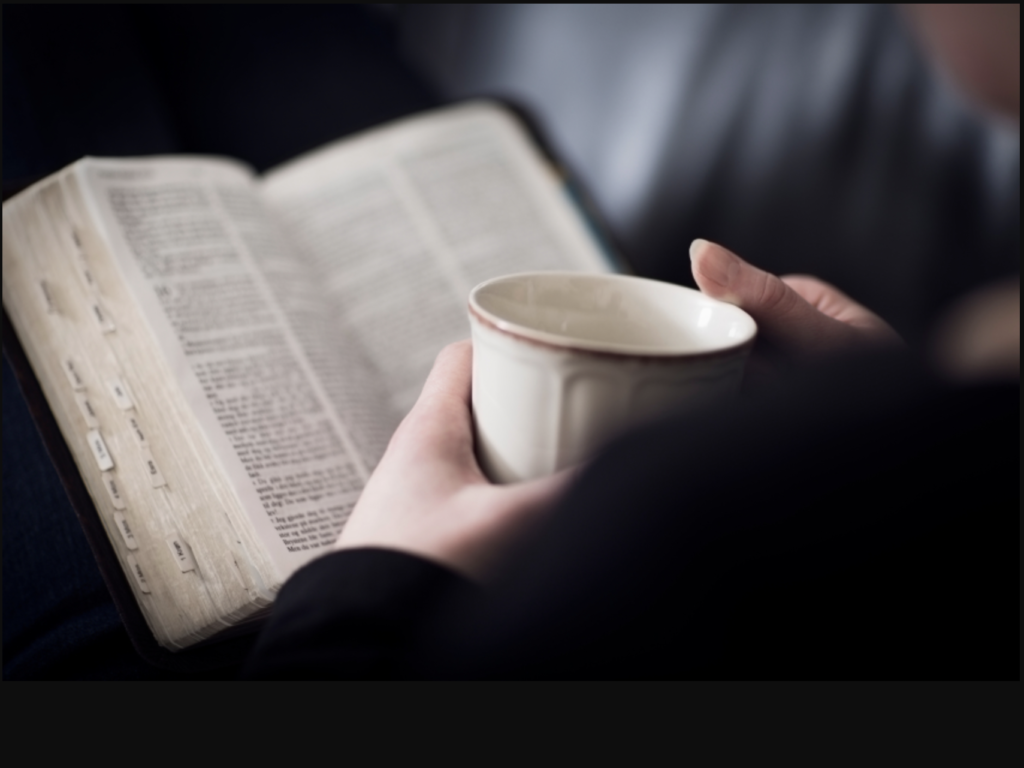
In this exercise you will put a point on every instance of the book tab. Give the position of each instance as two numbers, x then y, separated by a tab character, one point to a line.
99	450
85	273
101	317
182	555
88	412
126	532
44	291
114	490
155	478
140	578
73	374
133	422
120	393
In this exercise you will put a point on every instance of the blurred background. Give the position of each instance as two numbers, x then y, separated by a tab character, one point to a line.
806	138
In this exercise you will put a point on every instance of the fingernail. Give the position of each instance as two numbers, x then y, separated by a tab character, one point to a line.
696	247
717	265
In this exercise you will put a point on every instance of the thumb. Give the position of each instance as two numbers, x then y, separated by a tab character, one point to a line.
782	315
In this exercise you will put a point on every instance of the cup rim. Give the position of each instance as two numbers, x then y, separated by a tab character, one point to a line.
602	349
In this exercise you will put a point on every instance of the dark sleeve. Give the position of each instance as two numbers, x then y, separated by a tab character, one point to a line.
861	523
351	615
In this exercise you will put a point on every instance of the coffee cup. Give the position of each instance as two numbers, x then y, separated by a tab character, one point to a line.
562	361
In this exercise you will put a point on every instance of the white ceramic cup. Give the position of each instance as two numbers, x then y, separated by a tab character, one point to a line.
563	360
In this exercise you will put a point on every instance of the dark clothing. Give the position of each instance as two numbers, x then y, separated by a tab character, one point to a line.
862	522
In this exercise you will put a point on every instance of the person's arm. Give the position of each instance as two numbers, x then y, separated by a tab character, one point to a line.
427	524
352	615
429	497
428	513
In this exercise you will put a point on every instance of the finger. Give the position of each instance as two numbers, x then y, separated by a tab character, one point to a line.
781	313
829	300
439	426
514	508
452	374
543	490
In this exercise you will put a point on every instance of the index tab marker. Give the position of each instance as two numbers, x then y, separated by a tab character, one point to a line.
136	569
85	272
88	412
126	531
99	450
120	393
156	479
114	489
44	291
133	422
182	555
73	374
101	317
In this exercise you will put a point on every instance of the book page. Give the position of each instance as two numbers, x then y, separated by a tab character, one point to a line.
349	378
173	229
156	486
398	224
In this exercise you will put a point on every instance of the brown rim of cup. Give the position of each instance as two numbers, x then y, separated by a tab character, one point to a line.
742	348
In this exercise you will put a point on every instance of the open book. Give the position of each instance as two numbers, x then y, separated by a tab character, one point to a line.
227	355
